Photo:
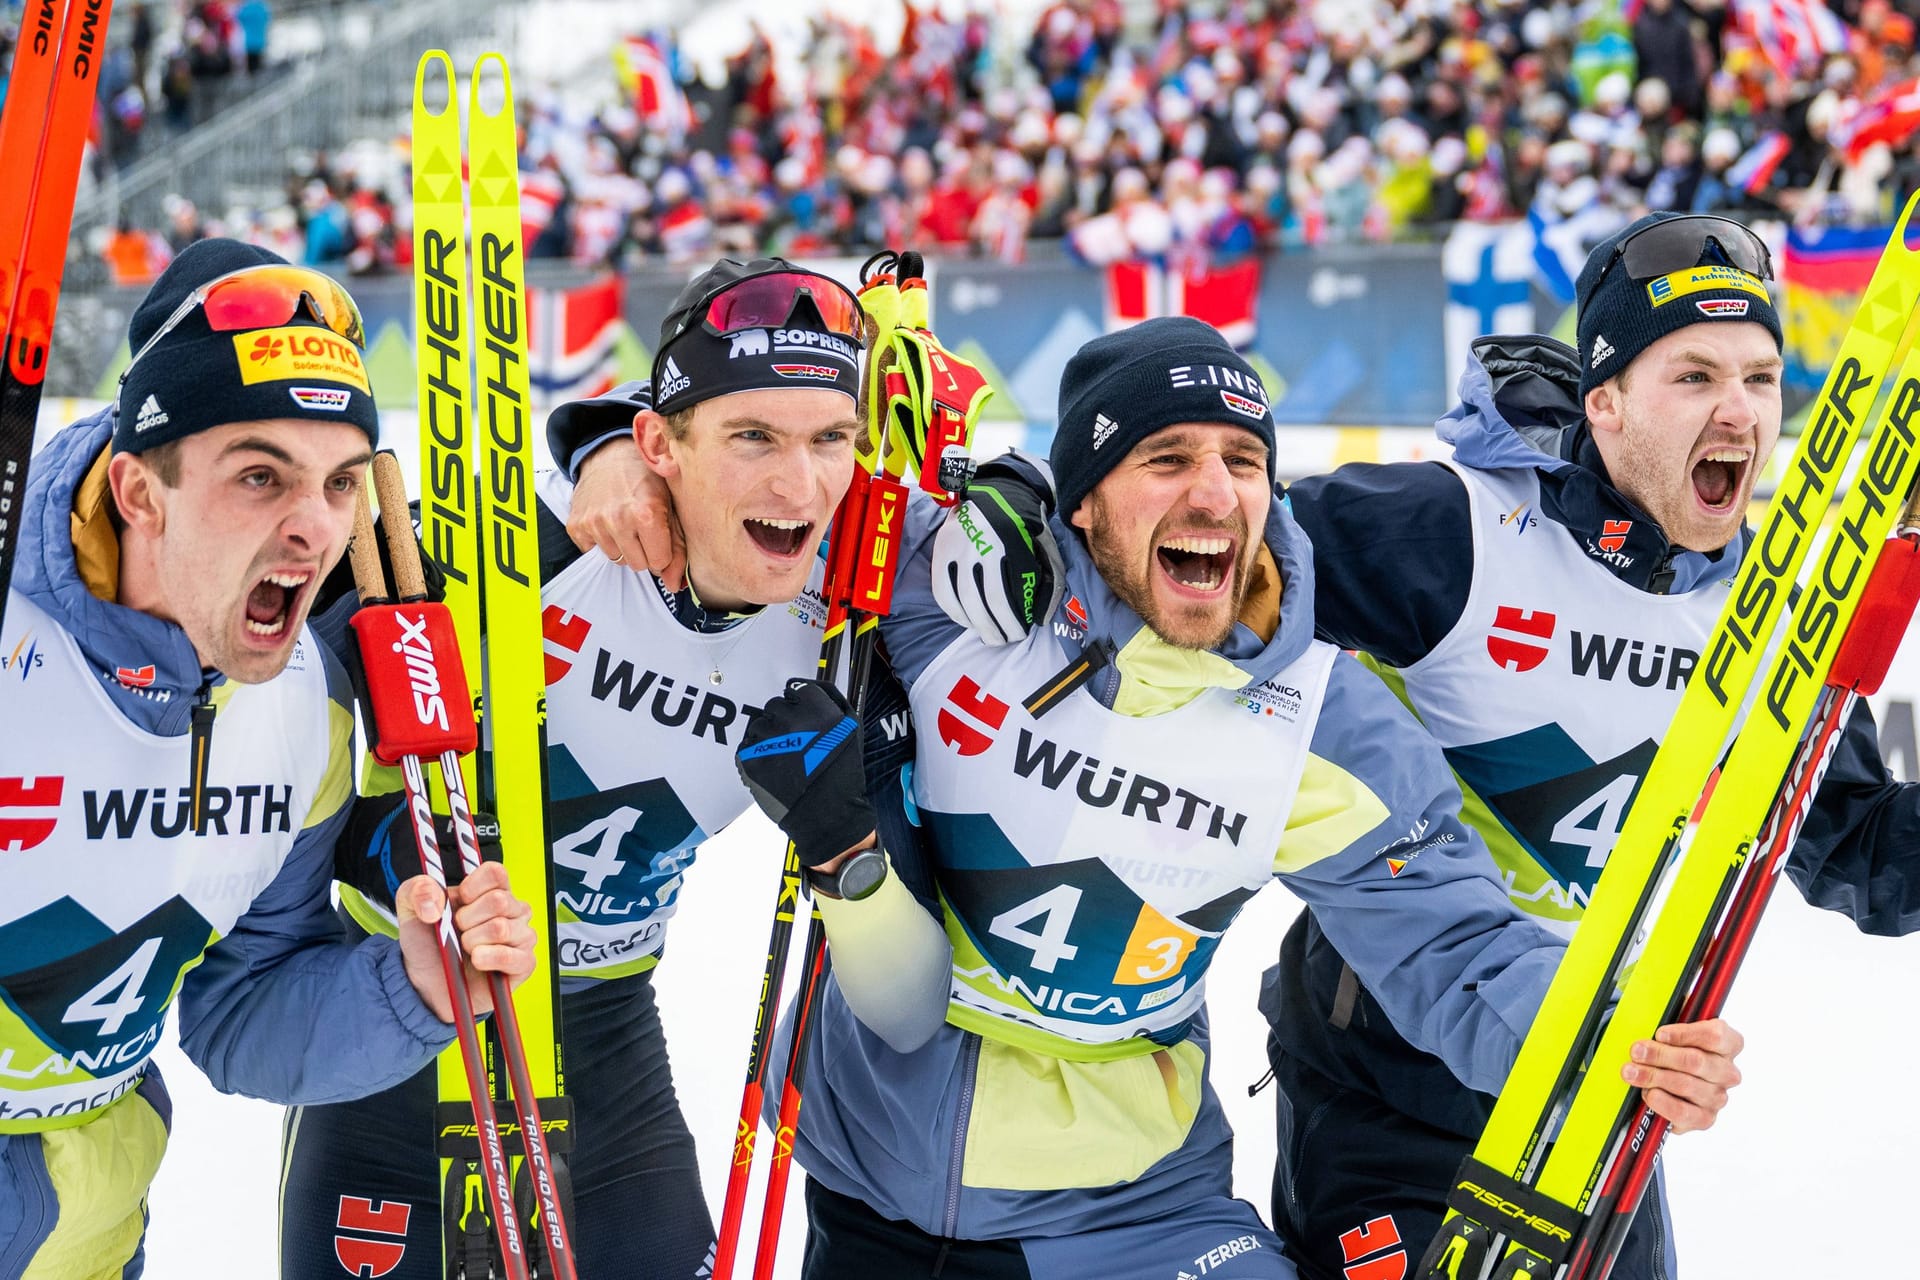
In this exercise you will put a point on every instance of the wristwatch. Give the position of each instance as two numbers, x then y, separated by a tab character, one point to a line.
858	877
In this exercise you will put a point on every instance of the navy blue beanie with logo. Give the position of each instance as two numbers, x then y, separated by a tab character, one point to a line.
1121	388
1620	317
195	378
694	365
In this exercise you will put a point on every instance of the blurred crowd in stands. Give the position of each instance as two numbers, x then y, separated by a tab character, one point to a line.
1214	128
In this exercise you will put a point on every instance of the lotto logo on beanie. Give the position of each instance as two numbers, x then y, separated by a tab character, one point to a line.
298	351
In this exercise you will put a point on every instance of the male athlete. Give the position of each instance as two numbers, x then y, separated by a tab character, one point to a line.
174	770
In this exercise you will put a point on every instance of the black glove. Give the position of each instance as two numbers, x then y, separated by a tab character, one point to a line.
996	570
376	853
803	761
486	828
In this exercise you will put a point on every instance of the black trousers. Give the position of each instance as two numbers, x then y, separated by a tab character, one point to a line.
1360	1188
361	1189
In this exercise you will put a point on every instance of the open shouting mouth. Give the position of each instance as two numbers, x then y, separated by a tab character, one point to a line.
782	538
275	601
1195	563
1719	477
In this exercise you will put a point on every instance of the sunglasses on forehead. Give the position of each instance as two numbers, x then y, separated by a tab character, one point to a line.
769	300
1678	244
261	298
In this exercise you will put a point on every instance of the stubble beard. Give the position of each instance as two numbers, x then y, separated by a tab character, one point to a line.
1197	627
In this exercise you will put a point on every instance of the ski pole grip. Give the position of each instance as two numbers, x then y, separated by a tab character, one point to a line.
397	522
368	577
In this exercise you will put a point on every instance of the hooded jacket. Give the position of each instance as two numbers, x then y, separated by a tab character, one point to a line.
1396	551
972	1135
254	997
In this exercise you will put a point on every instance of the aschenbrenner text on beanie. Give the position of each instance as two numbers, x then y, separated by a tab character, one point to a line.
1622	311
297	359
1121	388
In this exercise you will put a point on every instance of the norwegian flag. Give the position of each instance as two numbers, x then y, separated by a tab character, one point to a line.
648	80
570	339
1224	297
1791	33
1891	117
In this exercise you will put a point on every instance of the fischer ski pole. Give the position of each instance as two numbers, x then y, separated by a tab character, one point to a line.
411	585
384	629
1860	665
43	134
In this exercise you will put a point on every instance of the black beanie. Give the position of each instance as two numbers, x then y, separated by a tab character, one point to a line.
1121	388
195	379
1623	317
694	365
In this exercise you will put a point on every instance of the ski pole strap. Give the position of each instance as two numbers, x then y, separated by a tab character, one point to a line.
1532	1220
457	1137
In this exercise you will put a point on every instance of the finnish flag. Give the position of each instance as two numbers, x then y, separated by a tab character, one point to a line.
1488	268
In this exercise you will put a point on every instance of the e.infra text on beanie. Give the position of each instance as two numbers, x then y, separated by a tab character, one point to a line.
1699	269
233	333
1121	388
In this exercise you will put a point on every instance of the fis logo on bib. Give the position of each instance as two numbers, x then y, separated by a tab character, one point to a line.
25	659
1520	519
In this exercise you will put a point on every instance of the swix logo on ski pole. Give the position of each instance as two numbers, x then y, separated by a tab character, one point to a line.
371	1259
1800	500
567	630
1613	534
984	713
443	509
1511	653
21	831
423	677
1375	1236
500	308
299	351
1847	558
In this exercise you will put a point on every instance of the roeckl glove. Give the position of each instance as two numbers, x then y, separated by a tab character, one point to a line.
996	569
802	759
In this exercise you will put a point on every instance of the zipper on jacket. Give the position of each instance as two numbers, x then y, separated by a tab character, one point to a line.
200	750
1661	581
969	1065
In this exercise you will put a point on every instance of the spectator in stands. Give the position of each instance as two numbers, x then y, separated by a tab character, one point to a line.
254	18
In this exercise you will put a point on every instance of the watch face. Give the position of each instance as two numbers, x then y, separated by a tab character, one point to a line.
861	874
